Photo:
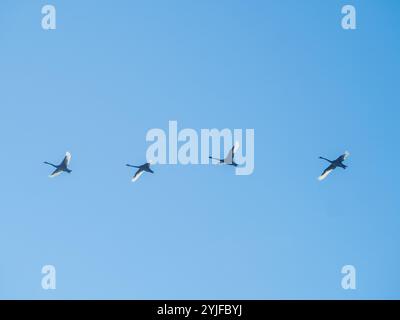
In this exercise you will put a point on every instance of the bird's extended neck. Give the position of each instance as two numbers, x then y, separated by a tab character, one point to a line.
50	164
216	159
326	159
129	165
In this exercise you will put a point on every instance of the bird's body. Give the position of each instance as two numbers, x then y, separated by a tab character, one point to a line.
62	167
228	160
141	169
333	165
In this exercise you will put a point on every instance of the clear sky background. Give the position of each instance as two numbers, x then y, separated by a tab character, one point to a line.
115	69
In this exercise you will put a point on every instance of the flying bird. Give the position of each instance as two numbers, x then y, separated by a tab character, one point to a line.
141	169
333	165
62	167
229	158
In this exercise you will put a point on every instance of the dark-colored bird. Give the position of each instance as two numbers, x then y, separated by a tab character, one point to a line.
229	158
62	167
141	169
334	164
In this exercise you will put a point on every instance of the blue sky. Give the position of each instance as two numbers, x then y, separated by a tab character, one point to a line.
116	69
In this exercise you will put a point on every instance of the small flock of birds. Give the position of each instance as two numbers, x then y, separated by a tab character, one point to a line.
228	160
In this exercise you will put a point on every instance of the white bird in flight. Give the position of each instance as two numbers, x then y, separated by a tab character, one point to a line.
62	167
229	159
141	169
333	165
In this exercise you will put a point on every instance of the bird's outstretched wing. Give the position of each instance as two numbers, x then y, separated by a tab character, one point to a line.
229	157
137	175
231	154
55	173
67	159
343	156
326	172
